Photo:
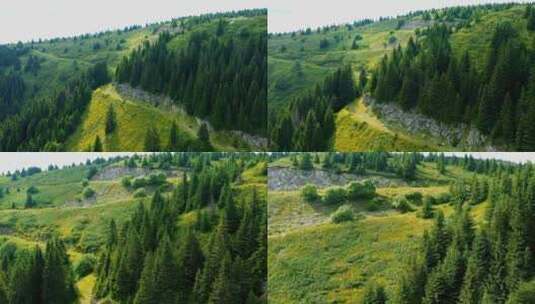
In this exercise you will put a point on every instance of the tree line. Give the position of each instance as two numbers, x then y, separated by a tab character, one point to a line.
45	124
152	260
498	99
30	276
308	123
219	75
461	263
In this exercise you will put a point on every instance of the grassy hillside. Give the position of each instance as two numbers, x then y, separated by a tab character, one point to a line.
285	50
359	129
313	260
62	210
298	61
133	119
47	68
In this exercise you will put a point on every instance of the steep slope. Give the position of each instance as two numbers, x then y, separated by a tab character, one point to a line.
359	129
134	116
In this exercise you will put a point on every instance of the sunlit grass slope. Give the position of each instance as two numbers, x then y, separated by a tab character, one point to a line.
358	129
134	117
284	51
312	260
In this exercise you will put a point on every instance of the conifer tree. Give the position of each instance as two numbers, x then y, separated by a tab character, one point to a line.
374	294
174	144
111	120
152	140
97	146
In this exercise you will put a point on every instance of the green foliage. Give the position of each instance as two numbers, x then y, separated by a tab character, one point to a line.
97	146
335	196
374	294
402	205
306	162
126	181
310	193
53	118
32	190
356	190
308	123
85	266
342	214
427	208
88	192
523	295
429	75
213	61
140	193
111	120
152	140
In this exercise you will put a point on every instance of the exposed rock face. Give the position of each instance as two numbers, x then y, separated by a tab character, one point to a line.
462	136
112	173
254	141
282	179
117	172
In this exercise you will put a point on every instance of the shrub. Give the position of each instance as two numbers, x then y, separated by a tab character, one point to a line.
375	204
415	198
310	193
360	190
85	266
427	209
139	182
157	179
402	205
92	171
140	193
442	198
342	214
335	196
126	181
32	190
88	192
85	182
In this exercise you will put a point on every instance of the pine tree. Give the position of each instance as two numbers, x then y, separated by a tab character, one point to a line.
476	271
97	146
203	135
374	294
191	260
222	293
111	120
146	293
427	208
166	274
58	283
306	162
174	144
152	140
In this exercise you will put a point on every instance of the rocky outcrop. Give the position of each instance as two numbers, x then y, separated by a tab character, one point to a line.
460	135
283	178
117	172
